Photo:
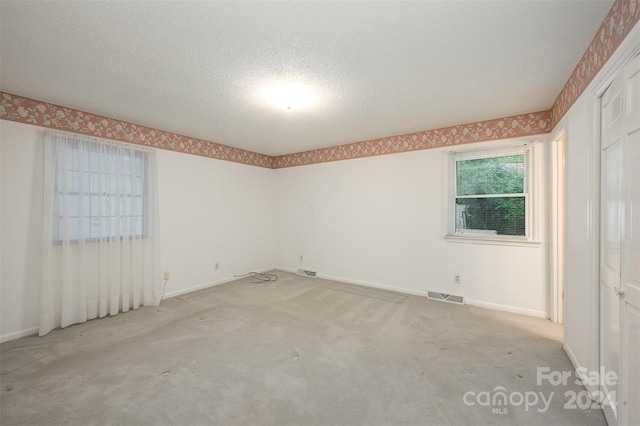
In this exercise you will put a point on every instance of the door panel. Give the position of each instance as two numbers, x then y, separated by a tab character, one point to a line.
611	208
632	95
612	162
630	362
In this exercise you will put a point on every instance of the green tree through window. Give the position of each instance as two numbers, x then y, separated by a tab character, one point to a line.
490	195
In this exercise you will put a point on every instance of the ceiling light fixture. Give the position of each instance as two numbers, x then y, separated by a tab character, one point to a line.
289	96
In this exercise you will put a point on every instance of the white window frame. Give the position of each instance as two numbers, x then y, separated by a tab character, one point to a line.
481	236
57	240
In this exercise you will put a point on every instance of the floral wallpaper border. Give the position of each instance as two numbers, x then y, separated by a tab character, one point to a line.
535	123
30	111
622	17
43	114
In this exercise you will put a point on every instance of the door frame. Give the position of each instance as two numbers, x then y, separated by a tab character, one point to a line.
556	224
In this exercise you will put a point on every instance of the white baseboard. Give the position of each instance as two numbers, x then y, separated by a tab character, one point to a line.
591	389
18	334
481	304
360	282
209	284
571	355
507	308
374	285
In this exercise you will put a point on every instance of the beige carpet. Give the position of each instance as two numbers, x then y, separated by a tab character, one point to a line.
294	351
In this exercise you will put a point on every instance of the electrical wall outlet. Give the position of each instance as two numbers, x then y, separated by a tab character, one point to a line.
216	266
456	279
301	258
165	275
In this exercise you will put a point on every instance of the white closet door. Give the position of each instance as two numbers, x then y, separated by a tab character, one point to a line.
629	386
611	206
620	246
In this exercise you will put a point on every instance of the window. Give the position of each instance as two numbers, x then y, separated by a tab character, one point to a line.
99	192
491	194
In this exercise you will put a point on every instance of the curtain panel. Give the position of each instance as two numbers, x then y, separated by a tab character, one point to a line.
100	245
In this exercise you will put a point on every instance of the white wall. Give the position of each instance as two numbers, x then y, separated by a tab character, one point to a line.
22	182
377	221
381	221
213	211
577	238
210	211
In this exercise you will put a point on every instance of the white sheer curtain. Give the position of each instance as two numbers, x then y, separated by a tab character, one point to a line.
100	230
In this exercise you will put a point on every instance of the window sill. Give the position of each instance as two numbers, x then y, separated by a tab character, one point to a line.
491	241
90	241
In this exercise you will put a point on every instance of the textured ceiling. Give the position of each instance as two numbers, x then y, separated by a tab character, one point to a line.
378	68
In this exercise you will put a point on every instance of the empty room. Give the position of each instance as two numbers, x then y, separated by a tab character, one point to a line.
320	212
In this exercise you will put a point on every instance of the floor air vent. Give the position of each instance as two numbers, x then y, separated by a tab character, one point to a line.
445	297
306	273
